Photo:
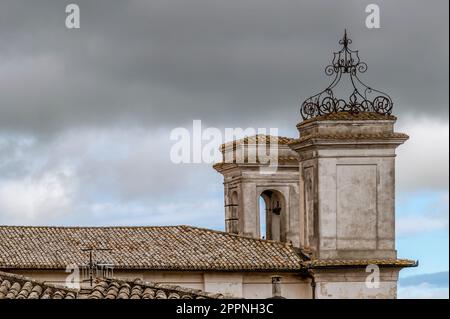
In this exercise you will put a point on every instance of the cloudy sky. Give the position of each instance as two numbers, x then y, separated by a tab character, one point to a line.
86	114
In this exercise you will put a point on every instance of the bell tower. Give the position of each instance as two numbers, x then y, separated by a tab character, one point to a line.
261	192
332	192
346	155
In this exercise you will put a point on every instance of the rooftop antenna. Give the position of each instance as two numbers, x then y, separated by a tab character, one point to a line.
94	265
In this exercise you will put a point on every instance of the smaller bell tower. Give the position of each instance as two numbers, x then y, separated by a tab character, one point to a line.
251	183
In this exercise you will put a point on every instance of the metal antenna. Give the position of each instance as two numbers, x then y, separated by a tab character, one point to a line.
93	264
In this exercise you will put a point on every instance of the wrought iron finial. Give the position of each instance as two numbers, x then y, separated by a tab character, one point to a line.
345	40
361	98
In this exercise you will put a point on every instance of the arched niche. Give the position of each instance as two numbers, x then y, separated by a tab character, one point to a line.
272	209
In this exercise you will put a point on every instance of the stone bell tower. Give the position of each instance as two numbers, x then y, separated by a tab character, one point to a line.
332	191
347	166
250	177
347	185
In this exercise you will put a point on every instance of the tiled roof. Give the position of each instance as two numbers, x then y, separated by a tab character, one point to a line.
14	286
257	139
138	289
347	116
340	136
153	248
326	263
18	287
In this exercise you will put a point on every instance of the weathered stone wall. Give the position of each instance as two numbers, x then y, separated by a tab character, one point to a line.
351	284
330	283
249	285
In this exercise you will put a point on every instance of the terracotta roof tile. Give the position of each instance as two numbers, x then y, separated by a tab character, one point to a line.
19	287
14	286
138	289
325	263
256	139
347	116
283	160
155	248
365	136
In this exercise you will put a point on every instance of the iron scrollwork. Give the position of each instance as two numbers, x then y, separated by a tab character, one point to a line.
362	97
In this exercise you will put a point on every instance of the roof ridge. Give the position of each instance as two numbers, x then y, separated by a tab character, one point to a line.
348	136
346	115
246	139
149	227
86	227
158	247
337	262
288	245
257	135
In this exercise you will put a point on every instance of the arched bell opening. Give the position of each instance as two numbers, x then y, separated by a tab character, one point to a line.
271	208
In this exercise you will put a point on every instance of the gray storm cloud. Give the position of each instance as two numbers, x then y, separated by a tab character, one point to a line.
85	115
160	63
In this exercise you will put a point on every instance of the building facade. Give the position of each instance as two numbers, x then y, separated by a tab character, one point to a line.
314	218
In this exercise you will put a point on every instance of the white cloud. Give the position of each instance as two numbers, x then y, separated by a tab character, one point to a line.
420	224
423	161
128	173
432	216
36	199
205	213
423	291
422	169
116	176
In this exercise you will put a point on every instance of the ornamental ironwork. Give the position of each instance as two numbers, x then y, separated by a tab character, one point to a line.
362	98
